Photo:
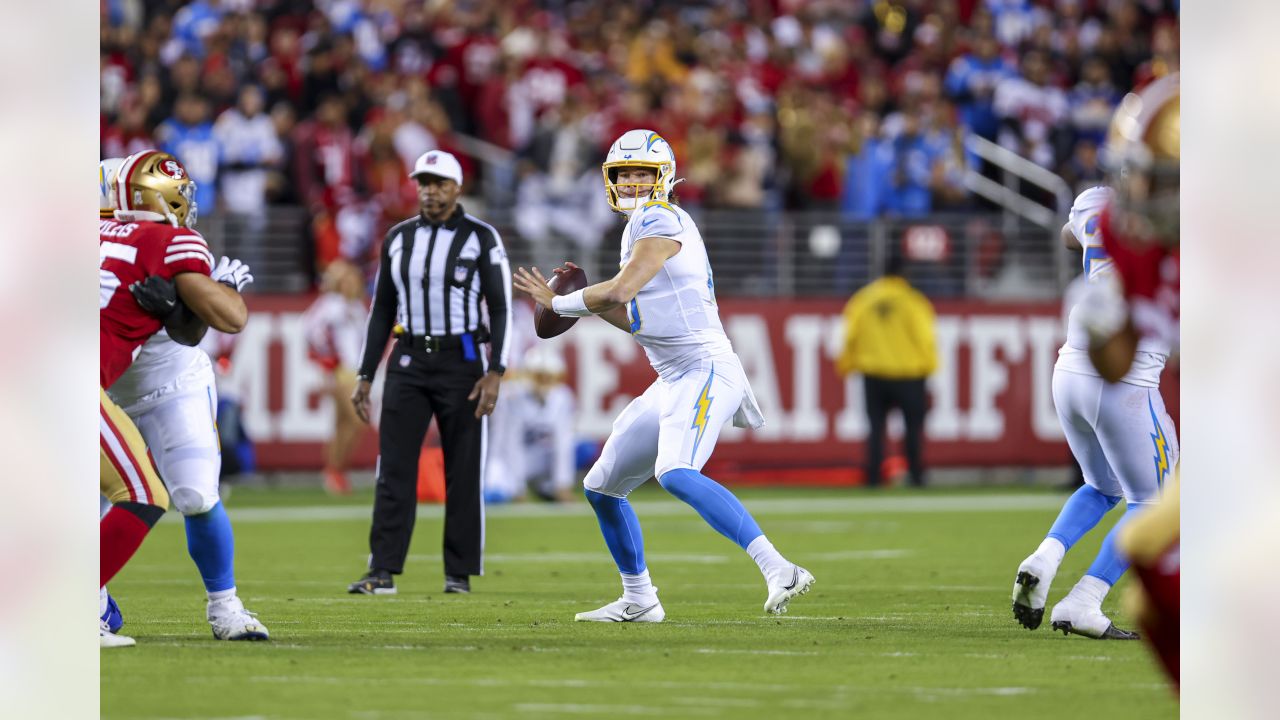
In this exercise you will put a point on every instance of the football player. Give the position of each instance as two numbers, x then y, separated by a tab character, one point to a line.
664	295
1140	231
149	245
1127	322
334	328
537	433
1120	434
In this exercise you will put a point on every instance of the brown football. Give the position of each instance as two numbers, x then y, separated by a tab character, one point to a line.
545	321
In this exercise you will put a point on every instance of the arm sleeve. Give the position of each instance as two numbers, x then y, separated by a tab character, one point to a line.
495	284
381	316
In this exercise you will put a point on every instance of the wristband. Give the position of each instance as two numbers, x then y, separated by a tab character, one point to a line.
572	305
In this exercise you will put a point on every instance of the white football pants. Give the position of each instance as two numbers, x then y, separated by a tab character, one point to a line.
180	429
672	425
1120	434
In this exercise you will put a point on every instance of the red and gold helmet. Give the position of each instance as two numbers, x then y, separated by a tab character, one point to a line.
153	185
1142	155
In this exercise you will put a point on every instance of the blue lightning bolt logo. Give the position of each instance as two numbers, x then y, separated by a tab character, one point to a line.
701	409
1161	444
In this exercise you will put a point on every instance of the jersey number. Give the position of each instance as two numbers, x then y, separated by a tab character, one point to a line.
108	282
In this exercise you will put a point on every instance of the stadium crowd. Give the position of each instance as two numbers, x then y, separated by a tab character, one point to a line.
856	105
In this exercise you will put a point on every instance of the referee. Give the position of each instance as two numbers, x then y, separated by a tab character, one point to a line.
436	268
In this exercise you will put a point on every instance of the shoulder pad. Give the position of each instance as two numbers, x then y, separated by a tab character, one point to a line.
657	219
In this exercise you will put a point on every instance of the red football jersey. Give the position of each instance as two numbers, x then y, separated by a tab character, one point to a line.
127	253
1150	276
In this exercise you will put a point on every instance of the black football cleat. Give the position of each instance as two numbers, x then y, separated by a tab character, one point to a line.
1026	615
1111	633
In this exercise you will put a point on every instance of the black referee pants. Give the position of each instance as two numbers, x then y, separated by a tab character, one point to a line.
420	385
882	395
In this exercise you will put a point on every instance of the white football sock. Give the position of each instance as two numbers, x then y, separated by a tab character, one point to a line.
1090	590
222	594
639	588
769	560
1052	549
102	601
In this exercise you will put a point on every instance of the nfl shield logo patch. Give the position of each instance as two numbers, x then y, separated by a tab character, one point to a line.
404	360
459	274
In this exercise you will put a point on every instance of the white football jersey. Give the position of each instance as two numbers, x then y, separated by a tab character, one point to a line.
1073	356
161	368
674	317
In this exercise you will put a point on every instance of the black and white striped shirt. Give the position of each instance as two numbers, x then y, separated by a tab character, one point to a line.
431	281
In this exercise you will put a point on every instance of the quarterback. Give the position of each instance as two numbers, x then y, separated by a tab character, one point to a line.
161	387
664	295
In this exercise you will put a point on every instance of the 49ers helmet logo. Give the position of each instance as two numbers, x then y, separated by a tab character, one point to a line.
173	169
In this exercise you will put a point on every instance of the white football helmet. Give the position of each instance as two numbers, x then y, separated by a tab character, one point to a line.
639	148
106	184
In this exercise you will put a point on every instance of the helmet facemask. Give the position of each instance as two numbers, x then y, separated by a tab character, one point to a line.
659	189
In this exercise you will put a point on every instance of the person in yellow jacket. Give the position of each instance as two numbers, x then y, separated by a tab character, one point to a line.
889	339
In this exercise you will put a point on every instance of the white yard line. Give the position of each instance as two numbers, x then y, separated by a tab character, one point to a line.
1004	502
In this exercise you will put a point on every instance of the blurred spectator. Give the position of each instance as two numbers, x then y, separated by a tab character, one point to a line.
322	157
1031	111
1083	170
1093	100
128	135
189	136
971	82
912	175
868	170
768	90
250	150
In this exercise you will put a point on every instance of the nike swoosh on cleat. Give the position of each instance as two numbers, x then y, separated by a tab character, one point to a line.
795	578
630	613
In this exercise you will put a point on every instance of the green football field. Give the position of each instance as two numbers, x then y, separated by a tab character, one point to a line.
909	618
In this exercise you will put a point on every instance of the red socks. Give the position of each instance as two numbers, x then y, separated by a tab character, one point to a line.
120	534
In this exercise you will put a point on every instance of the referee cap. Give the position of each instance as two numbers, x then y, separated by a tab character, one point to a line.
440	163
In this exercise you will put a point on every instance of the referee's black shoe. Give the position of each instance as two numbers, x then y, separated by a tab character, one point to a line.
457	584
376	582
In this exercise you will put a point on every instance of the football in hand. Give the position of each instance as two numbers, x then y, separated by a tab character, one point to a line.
545	320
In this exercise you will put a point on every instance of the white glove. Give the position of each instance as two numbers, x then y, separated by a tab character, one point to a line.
1102	308
232	272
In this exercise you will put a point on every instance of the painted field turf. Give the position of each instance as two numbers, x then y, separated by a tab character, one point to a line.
909	619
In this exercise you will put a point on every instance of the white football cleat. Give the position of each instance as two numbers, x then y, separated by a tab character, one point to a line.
230	621
1031	590
107	639
1079	618
621	610
787	585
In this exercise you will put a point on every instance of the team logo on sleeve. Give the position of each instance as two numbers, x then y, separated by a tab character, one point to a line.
173	169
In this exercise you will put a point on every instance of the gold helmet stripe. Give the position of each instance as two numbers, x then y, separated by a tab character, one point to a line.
124	174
